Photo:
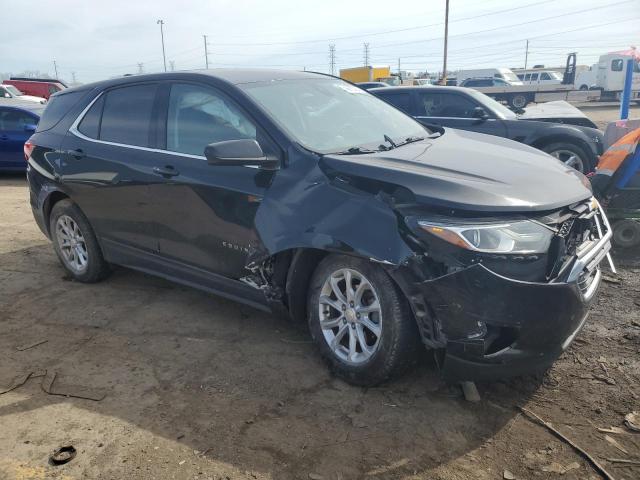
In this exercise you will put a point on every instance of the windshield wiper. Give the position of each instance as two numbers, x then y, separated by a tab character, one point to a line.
355	151
409	140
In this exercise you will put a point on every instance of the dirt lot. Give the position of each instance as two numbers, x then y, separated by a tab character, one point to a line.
198	387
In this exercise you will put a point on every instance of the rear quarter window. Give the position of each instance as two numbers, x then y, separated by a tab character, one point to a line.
57	107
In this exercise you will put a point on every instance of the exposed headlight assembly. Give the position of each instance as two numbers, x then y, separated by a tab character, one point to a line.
522	236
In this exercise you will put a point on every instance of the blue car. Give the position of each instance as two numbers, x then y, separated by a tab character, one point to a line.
18	121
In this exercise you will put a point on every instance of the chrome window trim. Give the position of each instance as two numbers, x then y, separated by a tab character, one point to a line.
73	129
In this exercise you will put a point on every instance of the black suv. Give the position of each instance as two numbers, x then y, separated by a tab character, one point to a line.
300	193
468	109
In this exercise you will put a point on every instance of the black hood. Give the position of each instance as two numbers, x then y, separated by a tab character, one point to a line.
471	171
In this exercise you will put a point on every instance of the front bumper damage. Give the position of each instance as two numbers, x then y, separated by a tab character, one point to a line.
486	326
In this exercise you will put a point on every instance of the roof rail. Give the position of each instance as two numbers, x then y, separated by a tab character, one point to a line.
30	79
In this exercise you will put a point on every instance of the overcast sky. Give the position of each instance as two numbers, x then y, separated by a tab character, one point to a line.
103	39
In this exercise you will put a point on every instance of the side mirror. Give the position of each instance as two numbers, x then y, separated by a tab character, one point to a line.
237	152
30	128
480	113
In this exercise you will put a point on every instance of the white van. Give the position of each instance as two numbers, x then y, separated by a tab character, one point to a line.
504	73
539	77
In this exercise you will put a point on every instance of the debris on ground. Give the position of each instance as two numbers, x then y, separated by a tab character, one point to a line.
22	348
632	421
69	391
63	455
611	279
615	443
534	417
470	391
507	475
556	467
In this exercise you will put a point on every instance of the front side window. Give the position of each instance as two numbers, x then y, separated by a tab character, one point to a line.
445	105
328	115
199	116
13	90
545	76
126	116
534	77
399	100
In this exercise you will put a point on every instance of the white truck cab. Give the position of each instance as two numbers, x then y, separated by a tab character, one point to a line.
610	76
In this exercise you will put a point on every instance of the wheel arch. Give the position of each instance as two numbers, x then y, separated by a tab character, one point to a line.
544	140
51	199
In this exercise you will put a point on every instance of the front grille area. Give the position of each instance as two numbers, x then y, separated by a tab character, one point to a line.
579	229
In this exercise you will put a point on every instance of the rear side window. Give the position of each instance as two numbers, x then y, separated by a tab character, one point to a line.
401	101
15	120
90	124
126	116
57	107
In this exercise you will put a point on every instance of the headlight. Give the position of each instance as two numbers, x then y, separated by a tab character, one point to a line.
521	236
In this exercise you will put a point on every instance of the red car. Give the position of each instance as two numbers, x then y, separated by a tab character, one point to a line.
38	87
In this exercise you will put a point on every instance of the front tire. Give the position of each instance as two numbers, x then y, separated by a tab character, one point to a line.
360	321
570	154
626	233
75	243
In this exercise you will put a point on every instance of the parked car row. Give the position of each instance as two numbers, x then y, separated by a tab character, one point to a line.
18	120
468	109
303	194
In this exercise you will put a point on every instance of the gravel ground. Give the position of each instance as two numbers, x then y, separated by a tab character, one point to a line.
197	387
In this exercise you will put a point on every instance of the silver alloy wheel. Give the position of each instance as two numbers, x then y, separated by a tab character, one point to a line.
569	158
350	316
72	244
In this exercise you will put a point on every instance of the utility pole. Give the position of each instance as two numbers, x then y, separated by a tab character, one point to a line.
399	71
332	59
164	58
526	55
206	54
140	68
55	67
172	65
73	76
366	54
443	81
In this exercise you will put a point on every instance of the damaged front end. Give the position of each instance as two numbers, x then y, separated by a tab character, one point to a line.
493	315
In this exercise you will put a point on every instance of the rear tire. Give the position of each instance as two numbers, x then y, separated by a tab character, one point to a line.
75	243
518	100
367	335
570	154
626	233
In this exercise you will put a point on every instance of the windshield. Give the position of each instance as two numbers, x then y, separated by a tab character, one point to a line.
327	115
555	75
510	76
14	90
499	109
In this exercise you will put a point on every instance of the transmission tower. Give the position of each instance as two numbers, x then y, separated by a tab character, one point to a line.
366	54
141	67
332	59
172	65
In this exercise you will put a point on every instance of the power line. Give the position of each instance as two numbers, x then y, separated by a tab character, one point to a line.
385	32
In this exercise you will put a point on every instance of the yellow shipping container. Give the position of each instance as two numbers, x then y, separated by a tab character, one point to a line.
365	74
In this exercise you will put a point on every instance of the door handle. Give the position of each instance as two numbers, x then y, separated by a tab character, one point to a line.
166	171
78	153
